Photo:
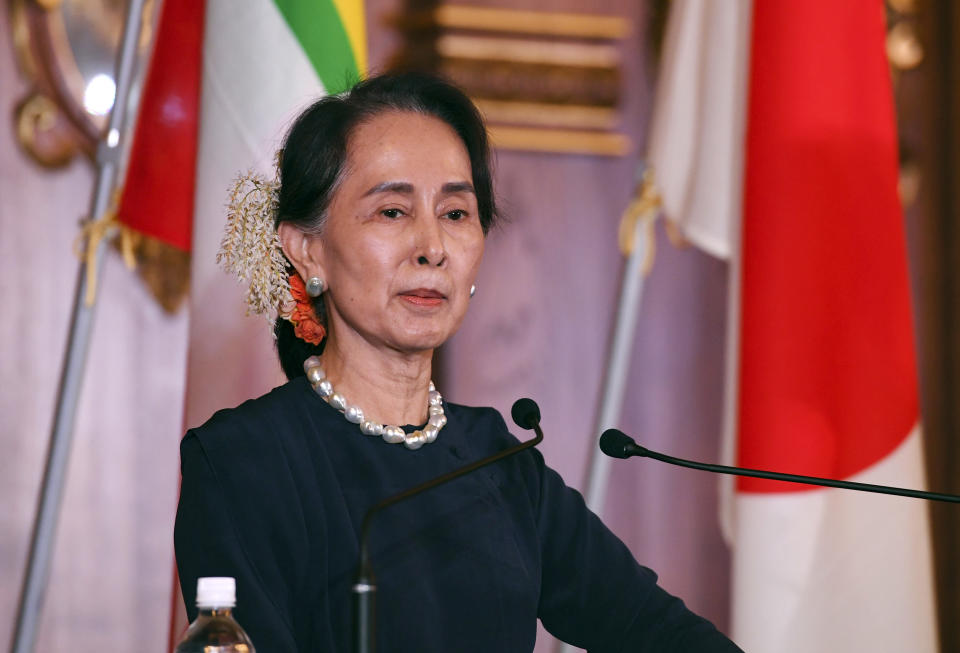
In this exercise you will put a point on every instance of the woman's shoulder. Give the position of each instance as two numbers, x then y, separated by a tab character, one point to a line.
266	420
486	433
480	424
479	415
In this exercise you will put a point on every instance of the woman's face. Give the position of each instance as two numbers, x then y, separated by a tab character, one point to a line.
402	242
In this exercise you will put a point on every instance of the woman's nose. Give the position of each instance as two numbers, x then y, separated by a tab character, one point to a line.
430	249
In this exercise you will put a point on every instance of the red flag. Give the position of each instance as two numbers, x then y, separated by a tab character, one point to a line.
157	197
827	371
828	381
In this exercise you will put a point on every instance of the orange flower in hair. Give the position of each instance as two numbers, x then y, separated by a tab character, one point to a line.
306	326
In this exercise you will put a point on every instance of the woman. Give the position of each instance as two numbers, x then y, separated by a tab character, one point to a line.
384	201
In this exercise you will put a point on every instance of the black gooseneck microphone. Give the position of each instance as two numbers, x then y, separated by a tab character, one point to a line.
526	415
618	444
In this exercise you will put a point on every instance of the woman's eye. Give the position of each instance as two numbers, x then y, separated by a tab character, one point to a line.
456	214
391	213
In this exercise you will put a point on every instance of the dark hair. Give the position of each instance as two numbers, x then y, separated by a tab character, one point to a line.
315	151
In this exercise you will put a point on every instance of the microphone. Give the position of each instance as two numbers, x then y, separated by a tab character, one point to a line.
618	444
526	415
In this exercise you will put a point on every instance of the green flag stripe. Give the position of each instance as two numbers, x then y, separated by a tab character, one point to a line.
321	34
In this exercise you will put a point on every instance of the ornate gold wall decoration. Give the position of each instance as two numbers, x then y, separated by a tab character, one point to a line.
65	48
905	54
45	132
545	81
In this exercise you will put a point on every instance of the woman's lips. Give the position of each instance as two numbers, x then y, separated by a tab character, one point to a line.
423	297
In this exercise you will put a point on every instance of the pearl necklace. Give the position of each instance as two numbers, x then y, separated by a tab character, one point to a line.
390	433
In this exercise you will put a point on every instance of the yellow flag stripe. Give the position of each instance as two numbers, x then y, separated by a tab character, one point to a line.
354	23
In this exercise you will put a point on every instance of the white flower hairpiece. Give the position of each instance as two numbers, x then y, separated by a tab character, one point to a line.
251	247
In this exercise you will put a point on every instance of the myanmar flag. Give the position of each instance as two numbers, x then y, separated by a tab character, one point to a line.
264	61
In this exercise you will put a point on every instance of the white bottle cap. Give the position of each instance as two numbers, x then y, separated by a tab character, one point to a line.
216	592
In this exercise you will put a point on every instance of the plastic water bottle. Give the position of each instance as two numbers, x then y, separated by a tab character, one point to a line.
215	630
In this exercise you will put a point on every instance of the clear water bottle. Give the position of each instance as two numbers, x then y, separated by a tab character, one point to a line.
215	630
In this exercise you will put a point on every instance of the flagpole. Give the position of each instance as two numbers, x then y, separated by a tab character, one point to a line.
108	153
636	243
618	366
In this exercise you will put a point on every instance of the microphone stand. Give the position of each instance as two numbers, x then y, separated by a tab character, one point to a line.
617	444
526	415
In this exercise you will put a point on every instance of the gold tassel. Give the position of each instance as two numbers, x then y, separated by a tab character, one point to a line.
92	232
163	268
644	206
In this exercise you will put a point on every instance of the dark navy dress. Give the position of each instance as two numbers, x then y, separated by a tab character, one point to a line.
274	492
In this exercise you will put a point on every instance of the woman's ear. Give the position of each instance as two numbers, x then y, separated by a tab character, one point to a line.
301	249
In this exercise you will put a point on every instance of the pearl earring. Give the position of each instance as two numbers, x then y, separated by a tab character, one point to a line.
314	286
473	290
